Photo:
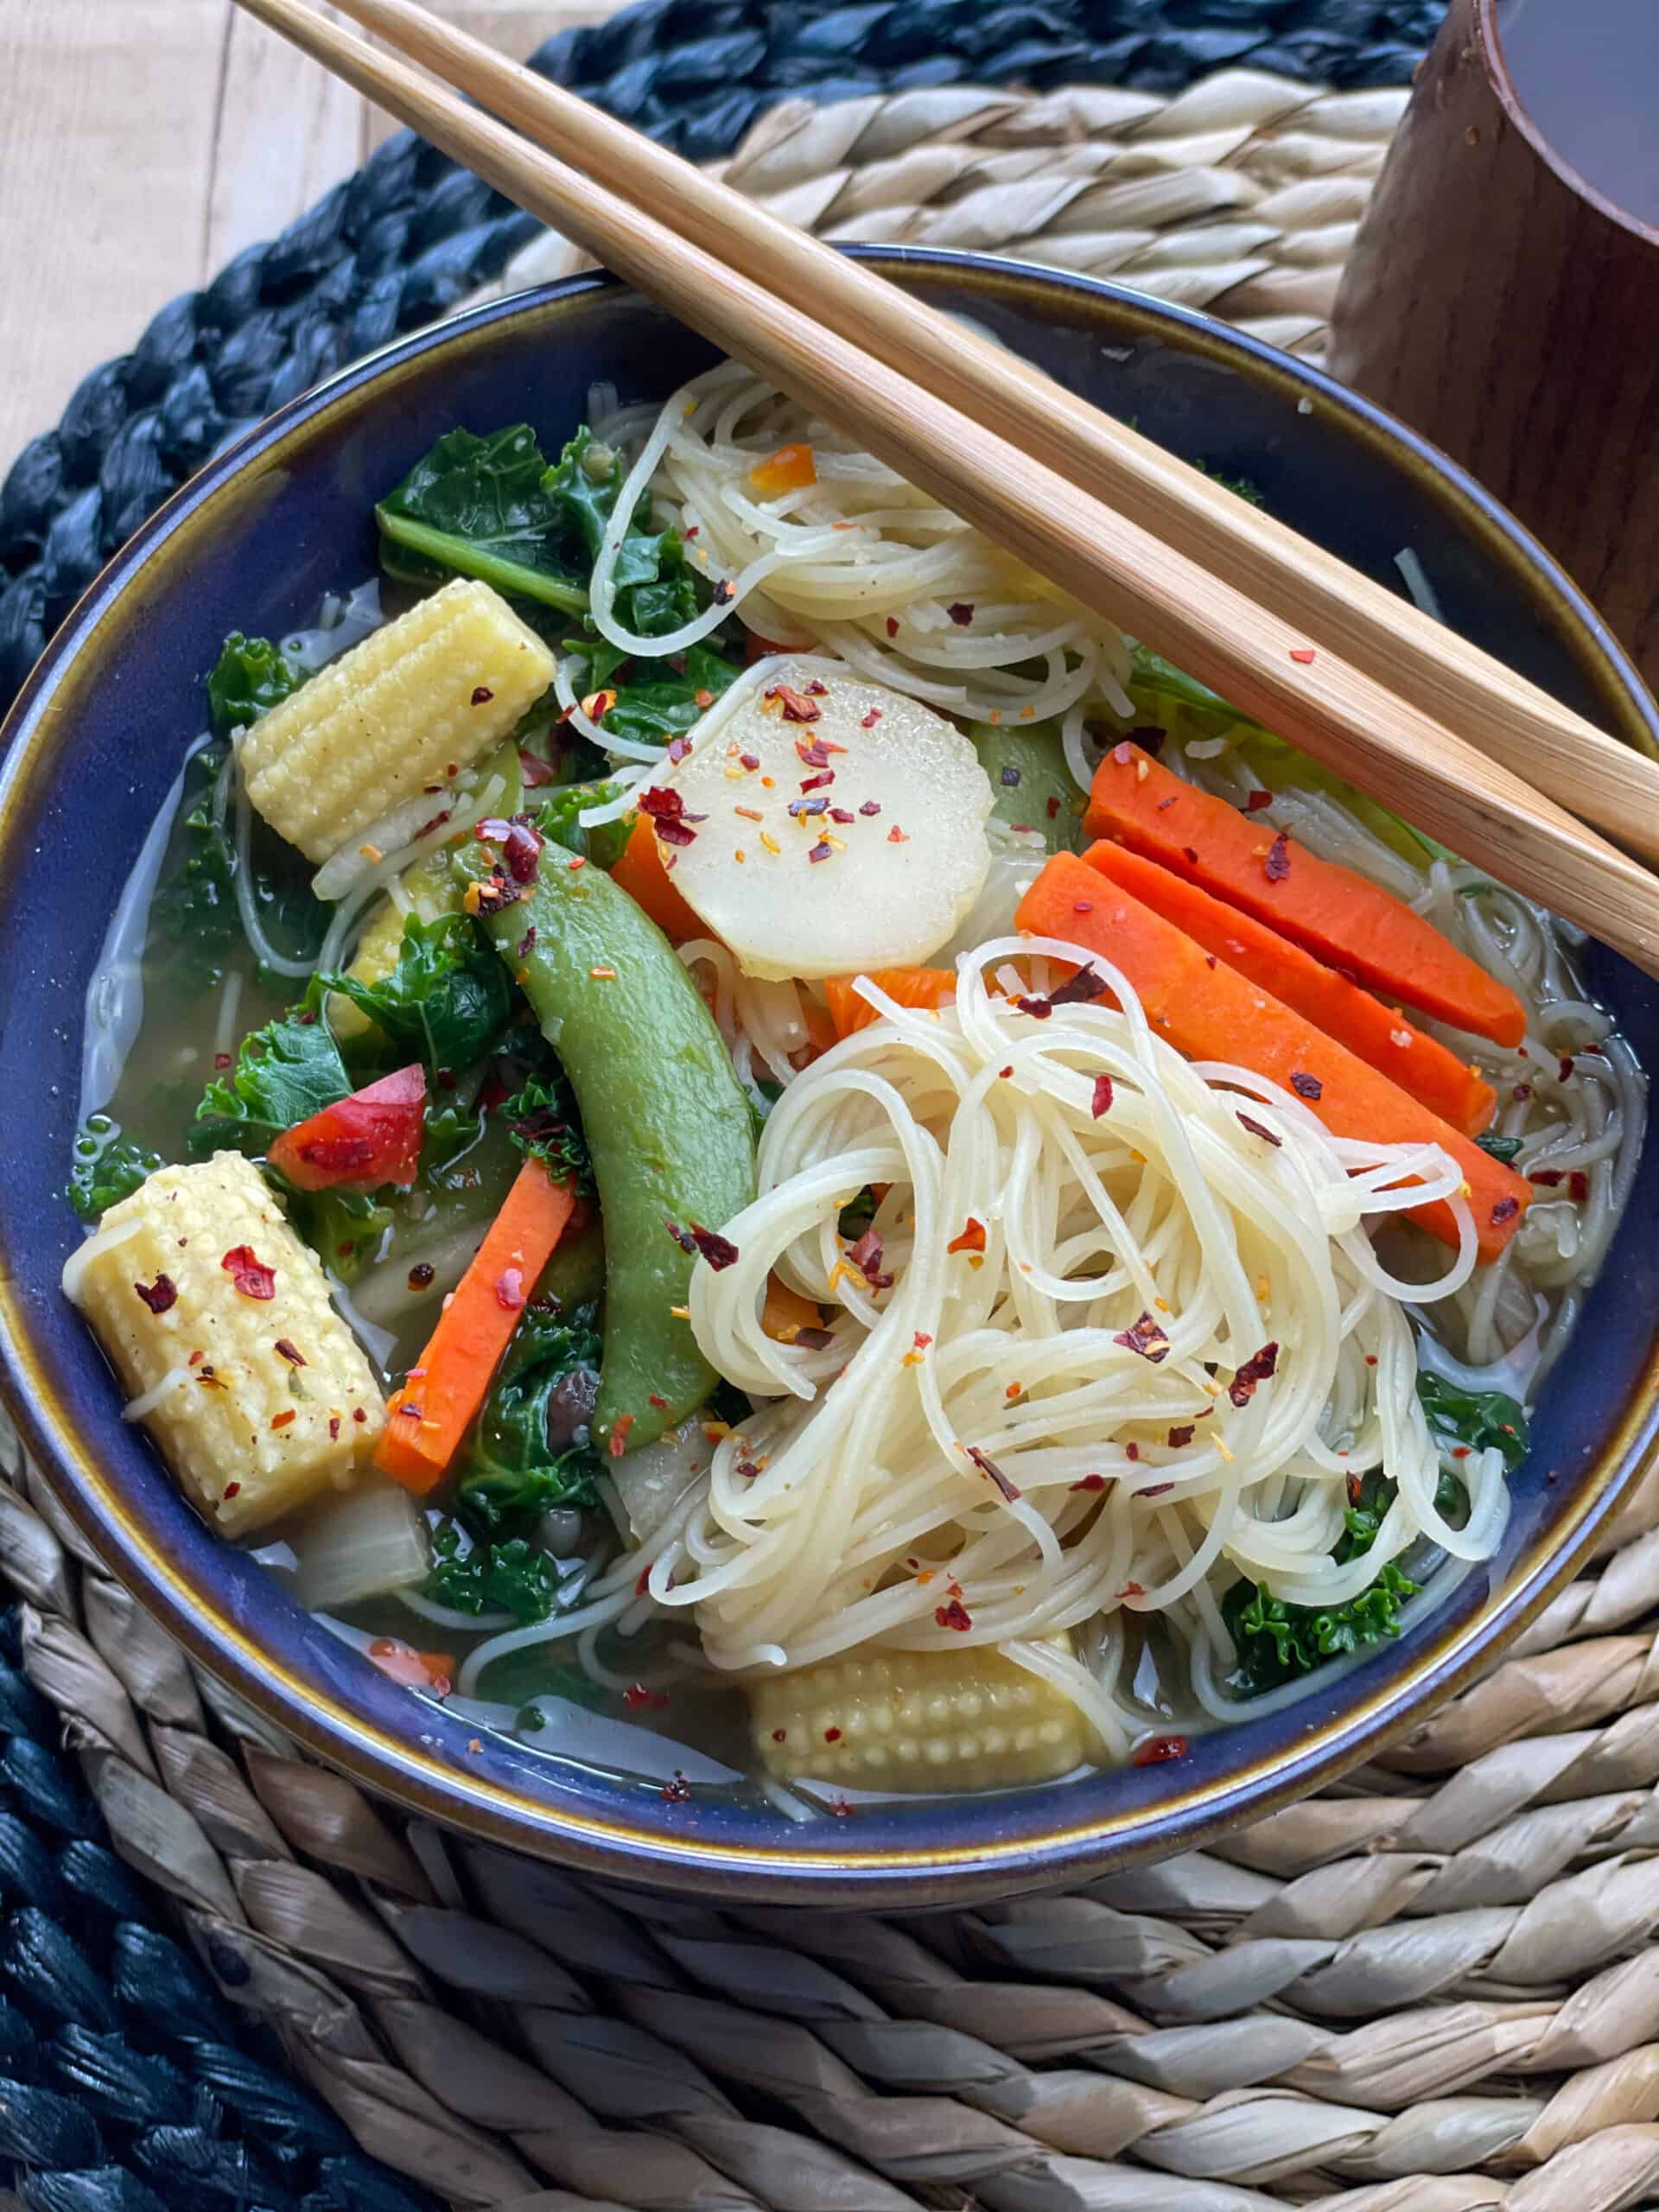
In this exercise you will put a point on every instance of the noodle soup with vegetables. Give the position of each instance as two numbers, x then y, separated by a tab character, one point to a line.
753	1149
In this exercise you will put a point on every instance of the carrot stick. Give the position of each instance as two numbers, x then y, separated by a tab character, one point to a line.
641	873
1434	1077
925	988
1340	916
785	1313
1215	1014
430	1417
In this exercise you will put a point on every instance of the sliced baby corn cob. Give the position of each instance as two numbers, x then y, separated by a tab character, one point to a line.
917	1720
217	1319
398	714
431	891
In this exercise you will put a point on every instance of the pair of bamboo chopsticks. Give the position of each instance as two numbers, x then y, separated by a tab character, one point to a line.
1390	699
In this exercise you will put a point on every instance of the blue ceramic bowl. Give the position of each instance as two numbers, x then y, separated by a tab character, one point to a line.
256	540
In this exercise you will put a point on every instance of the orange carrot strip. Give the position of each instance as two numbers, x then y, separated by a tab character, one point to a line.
1340	916
785	1313
1437	1079
642	875
428	1418
927	988
1215	1014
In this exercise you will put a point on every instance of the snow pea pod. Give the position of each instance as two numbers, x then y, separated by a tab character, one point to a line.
667	1125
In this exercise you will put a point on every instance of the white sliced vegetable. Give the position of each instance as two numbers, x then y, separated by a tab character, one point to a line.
371	1541
900	859
650	1481
1017	858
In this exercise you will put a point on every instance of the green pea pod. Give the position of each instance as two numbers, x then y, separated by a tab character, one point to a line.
668	1127
1031	786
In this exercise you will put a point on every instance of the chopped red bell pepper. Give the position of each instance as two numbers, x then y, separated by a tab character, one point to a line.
370	1138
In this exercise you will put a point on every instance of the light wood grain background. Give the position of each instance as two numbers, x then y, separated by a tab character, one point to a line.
143	143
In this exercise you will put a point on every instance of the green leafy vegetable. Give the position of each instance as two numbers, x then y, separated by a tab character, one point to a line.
1241	486
525	1455
249	678
1276	1642
543	1122
556	818
447	999
345	1228
511	1577
108	1166
284	1072
483	507
1503	1149
1478	1418
195	901
656	701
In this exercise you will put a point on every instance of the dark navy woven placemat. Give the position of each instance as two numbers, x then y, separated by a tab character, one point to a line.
125	2086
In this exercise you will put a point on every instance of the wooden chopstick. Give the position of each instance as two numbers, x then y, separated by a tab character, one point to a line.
1593	775
1383	744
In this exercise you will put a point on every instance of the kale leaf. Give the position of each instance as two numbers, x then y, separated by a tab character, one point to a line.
249	678
529	1449
1503	1149
195	901
284	1073
487	507
1276	1642
1241	486
543	1122
509	1577
1478	1418
108	1166
448	999
555	819
343	1228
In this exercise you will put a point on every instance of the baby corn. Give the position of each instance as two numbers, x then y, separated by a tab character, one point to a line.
431	892
883	1719
217	1319
399	714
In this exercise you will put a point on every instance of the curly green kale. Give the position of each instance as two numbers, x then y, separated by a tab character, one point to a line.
1476	1419
448	999
543	1122
509	1576
529	1449
556	821
249	678
108	1166
284	1073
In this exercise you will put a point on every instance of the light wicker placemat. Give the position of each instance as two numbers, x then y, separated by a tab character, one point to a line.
1430	1989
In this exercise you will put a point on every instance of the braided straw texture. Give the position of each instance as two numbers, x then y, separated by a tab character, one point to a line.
1432	1989
1240	196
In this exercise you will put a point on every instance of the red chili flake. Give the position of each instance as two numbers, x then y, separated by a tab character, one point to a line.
1579	1185
661	1404
510	1289
222	1060
231	1489
1133	1452
832	1735
250	1275
1191	853
843	815
1164	804
1006	1071
1133	1590
533	772
1302	653
954	1615
1256	1369
725	592
1147	1336
871	719
1254	801
1522	1091
1090	1482
495	895
1256	1130
521	846
817	783
1459	1451
780	1735
818	690
358	1414
892	626
290	1352
1505	1210
1209	959
635	1695
1078	990
897	837
866	1256
482	694
1305	1086
798	707
840	1809
334	1426
1276	866
1101	1102
683	1237
1564	1067
1182	1434
661	805
679	1789
813	1339
972	1238
618	1443
960	612
803	809
159	1295
675	833
719	1251
988	1468
281	1420
921	1341
1157	1749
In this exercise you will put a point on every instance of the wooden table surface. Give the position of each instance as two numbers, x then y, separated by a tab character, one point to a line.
143	143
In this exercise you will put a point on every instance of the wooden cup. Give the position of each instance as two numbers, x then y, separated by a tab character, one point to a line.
1510	312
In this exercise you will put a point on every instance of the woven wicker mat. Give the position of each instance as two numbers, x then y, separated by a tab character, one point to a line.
1429	1989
